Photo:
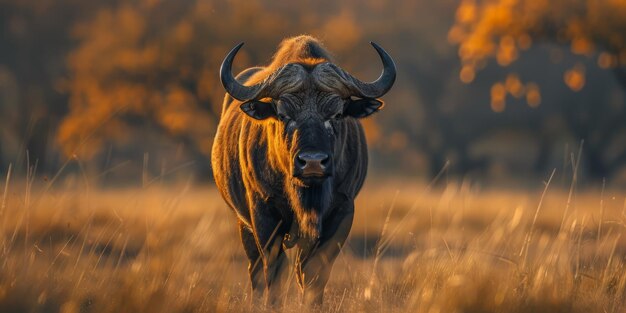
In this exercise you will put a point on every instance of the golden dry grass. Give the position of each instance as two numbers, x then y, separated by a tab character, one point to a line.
451	249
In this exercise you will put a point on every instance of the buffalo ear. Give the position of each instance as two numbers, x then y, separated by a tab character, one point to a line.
359	108
257	109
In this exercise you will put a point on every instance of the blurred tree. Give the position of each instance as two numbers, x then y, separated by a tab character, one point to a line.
130	72
153	65
444	135
502	29
34	36
102	78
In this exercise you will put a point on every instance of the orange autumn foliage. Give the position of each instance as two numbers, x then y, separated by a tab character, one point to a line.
502	29
154	64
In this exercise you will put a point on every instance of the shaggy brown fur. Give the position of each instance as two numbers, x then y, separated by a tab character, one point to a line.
308	109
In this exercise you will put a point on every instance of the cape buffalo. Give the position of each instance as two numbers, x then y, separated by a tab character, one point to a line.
289	158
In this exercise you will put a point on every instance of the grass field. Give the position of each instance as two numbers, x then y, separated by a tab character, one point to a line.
174	248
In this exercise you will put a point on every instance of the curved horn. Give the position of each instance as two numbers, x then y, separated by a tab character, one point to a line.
385	81
232	86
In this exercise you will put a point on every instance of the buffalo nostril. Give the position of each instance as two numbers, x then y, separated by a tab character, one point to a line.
324	160
312	160
301	162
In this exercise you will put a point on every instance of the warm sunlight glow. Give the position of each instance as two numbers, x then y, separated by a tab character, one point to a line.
533	95
467	74
575	77
503	29
145	168
498	97
514	86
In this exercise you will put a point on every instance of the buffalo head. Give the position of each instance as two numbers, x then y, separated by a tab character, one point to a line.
306	102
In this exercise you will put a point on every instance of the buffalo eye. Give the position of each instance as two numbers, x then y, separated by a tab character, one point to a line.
336	116
327	122
282	117
289	123
329	127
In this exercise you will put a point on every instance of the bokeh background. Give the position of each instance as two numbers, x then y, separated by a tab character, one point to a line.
493	90
497	173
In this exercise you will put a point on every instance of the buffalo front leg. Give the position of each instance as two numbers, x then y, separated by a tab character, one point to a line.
269	233
255	264
315	259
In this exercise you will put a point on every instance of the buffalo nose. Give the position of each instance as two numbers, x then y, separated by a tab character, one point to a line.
312	163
